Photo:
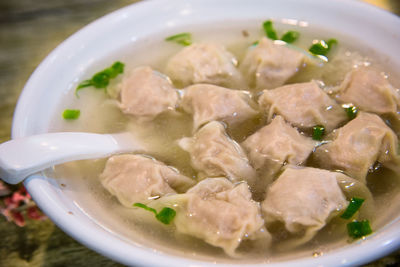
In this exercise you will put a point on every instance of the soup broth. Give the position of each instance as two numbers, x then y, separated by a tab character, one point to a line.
101	114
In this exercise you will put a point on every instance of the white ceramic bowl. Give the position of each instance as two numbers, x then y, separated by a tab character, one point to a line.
60	70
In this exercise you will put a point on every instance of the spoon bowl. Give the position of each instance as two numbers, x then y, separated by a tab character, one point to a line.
45	150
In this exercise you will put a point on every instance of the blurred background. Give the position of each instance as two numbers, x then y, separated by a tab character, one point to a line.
29	30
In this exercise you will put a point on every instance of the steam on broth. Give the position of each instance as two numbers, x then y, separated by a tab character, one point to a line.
234	151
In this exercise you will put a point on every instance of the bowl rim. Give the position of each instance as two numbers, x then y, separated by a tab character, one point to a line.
53	204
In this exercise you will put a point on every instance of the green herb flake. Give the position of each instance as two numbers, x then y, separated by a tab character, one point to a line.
352	208
143	206
318	132
84	84
351	112
358	229
269	30
322	47
184	38
102	79
71	114
290	36
116	68
255	43
166	215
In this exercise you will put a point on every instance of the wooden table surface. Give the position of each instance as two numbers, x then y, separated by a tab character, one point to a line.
29	30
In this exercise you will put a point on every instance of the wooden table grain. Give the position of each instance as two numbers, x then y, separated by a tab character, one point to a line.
29	30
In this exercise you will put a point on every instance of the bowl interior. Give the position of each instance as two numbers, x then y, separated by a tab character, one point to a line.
142	26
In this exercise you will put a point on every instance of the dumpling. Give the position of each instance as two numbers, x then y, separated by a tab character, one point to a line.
209	102
135	178
277	142
270	64
370	91
204	63
146	93
303	105
214	154
220	213
304	199
358	145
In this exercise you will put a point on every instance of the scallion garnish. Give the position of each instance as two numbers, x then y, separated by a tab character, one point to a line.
255	43
351	112
102	78
318	132
358	229
269	30
143	206
71	114
184	38
352	208
166	215
290	36
322	47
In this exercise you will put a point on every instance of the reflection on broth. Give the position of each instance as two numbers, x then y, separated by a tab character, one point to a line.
232	147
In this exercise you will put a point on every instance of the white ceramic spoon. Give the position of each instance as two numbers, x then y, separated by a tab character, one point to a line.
22	157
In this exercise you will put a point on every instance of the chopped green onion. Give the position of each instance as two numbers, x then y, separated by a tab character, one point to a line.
351	112
255	43
352	208
184	38
358	229
84	84
71	114
318	132
290	36
269	30
116	68
102	78
143	206
322	48
166	215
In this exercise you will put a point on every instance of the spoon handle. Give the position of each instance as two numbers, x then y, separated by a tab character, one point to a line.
24	156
